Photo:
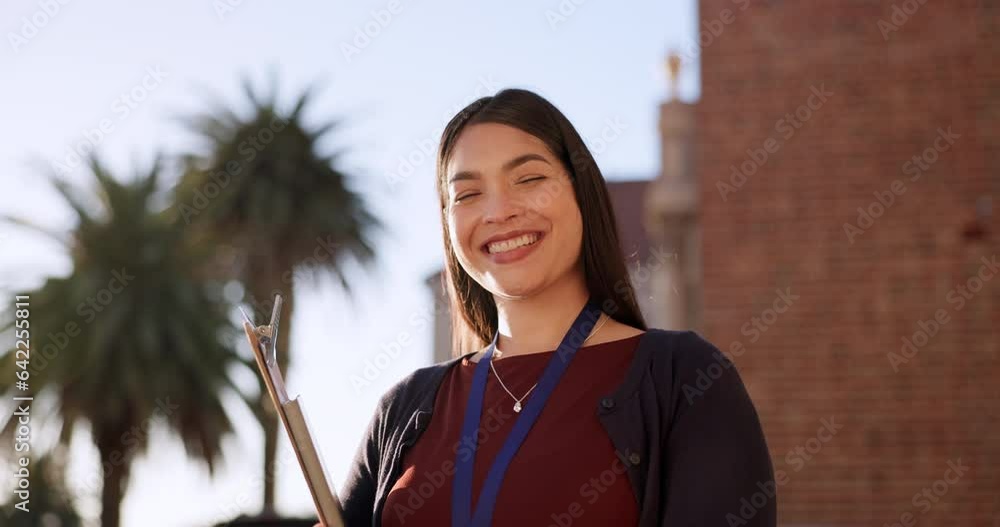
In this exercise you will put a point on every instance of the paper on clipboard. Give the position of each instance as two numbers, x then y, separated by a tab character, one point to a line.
262	341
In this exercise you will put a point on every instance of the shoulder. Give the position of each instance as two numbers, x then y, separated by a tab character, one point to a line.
682	350
615	330
414	390
689	363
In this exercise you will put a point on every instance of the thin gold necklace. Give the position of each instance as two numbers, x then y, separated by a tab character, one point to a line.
517	401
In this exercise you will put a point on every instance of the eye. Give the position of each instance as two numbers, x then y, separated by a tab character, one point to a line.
465	196
530	179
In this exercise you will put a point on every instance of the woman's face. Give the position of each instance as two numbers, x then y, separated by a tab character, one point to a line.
512	214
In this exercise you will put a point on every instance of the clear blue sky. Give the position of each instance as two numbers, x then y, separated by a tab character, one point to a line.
604	61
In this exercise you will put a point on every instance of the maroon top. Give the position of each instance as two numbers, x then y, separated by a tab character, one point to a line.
566	471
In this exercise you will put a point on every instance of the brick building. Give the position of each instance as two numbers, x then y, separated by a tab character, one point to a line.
808	111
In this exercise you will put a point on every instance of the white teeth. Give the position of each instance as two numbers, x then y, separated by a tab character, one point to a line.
514	243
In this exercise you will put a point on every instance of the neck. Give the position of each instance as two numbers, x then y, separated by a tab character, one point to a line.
539	323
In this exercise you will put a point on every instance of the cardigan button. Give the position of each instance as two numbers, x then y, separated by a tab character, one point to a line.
634	458
608	403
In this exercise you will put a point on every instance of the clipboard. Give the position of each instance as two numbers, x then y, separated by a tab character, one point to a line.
262	341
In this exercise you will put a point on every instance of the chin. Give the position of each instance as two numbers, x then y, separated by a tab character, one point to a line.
515	287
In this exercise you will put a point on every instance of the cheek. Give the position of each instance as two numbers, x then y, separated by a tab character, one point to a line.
563	212
572	229
459	229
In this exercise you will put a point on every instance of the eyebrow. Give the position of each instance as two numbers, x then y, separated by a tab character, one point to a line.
508	166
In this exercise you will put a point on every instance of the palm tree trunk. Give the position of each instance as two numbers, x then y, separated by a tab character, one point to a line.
264	280
116	465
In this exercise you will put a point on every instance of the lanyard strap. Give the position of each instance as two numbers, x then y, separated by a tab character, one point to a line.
461	491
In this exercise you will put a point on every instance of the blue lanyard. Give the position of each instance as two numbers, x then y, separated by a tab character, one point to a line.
461	490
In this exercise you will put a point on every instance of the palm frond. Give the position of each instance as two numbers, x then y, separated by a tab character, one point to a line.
40	229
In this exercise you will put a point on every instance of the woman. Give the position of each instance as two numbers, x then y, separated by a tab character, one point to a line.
562	408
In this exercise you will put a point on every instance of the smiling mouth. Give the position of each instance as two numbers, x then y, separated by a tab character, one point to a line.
511	244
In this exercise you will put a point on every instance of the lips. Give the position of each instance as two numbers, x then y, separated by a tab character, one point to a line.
510	240
512	247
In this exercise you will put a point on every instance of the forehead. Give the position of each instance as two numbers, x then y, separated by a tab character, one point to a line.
487	146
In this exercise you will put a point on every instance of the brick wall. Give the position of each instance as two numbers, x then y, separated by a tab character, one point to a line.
887	92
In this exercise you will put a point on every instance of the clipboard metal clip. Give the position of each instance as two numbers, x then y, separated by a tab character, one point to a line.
267	335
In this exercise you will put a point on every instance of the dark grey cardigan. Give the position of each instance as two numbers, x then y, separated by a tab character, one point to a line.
682	422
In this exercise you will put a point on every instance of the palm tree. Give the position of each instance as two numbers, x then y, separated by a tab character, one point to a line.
263	185
132	336
49	501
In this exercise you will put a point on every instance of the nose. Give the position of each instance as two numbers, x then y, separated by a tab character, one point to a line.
501	206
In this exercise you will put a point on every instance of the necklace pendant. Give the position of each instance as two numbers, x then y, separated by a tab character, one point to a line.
517	407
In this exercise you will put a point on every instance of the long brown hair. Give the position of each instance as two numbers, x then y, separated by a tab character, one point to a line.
473	310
